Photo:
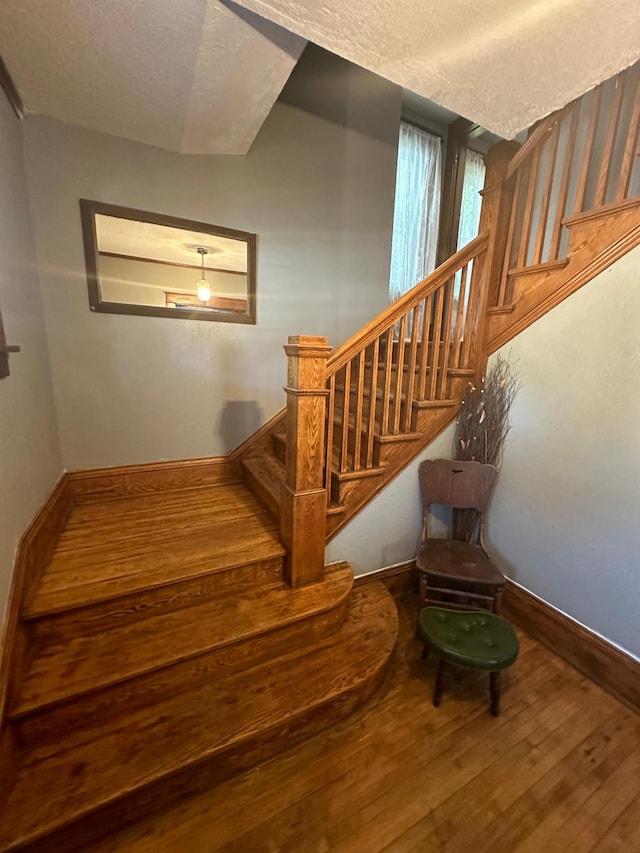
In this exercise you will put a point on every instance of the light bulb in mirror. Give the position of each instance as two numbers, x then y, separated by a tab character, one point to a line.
204	291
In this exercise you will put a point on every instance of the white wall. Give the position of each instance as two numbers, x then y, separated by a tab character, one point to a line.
29	454
317	188
564	519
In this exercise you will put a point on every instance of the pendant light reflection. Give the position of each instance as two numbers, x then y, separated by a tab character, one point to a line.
202	285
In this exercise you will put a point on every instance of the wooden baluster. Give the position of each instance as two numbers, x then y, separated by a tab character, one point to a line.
329	440
399	375
344	443
446	339
435	344
474	352
357	446
427	306
556	234
605	165
373	391
588	147
546	195
631	146
386	393
303	496
411	378
525	238
460	310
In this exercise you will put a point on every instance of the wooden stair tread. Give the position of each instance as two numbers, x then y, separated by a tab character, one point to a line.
259	705
82	664
116	547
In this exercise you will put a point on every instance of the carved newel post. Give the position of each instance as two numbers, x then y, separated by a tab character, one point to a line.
303	506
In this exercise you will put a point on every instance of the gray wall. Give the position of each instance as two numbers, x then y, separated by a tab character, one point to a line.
317	188
564	519
29	455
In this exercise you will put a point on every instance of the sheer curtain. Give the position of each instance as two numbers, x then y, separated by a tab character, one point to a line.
417	209
471	198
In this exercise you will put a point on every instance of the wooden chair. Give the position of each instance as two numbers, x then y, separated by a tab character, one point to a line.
457	572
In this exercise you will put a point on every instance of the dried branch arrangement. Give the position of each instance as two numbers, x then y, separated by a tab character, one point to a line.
483	421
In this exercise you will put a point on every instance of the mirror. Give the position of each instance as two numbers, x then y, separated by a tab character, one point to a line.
160	266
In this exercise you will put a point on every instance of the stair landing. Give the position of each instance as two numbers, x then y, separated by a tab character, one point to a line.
165	650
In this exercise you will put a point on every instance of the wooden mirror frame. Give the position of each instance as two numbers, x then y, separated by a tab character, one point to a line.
88	211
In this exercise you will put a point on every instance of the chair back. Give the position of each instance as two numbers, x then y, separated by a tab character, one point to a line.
460	486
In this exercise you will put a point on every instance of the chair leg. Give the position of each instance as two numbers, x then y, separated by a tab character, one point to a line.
439	686
497	602
494	684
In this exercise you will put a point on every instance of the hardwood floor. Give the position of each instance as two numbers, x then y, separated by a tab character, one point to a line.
558	770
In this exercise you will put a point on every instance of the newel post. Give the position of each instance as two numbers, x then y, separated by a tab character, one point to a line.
303	505
497	196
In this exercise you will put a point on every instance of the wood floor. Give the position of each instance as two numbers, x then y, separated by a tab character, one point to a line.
559	770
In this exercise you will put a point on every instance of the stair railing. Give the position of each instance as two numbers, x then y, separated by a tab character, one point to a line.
403	361
580	161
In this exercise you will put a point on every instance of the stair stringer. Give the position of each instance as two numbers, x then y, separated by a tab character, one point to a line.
597	240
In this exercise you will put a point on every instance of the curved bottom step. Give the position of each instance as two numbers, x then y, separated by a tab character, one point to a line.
142	760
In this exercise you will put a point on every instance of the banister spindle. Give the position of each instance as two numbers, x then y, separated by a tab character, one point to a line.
588	148
631	146
607	151
556	234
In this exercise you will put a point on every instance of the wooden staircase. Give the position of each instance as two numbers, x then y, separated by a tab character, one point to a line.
165	651
179	634
556	212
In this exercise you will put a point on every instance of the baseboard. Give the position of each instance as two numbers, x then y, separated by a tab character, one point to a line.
400	579
126	480
34	552
614	670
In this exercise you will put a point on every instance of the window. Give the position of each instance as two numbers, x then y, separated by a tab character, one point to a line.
471	199
417	209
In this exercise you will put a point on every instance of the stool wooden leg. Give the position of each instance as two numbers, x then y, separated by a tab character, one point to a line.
494	683
439	687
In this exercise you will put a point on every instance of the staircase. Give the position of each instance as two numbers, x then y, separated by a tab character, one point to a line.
180	634
556	212
166	652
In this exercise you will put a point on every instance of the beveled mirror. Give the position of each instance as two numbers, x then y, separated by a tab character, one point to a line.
160	266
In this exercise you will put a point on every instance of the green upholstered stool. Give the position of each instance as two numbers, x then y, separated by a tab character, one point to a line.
468	639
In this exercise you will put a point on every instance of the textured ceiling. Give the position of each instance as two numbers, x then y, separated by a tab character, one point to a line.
193	76
200	76
502	63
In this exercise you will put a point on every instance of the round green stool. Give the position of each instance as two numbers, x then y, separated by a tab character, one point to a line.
468	639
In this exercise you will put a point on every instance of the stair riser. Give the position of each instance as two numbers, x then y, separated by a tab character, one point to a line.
151	602
264	492
79	717
280	447
202	775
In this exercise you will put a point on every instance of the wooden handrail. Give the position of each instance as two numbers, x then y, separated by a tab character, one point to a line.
388	318
537	138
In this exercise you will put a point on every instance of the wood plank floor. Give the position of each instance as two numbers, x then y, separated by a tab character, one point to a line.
559	770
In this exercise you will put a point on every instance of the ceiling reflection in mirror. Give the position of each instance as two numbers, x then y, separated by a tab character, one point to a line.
144	263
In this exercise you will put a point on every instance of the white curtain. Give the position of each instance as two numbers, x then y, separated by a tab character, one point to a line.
416	211
471	198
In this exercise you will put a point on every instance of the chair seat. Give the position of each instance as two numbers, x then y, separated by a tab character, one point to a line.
474	640
452	560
